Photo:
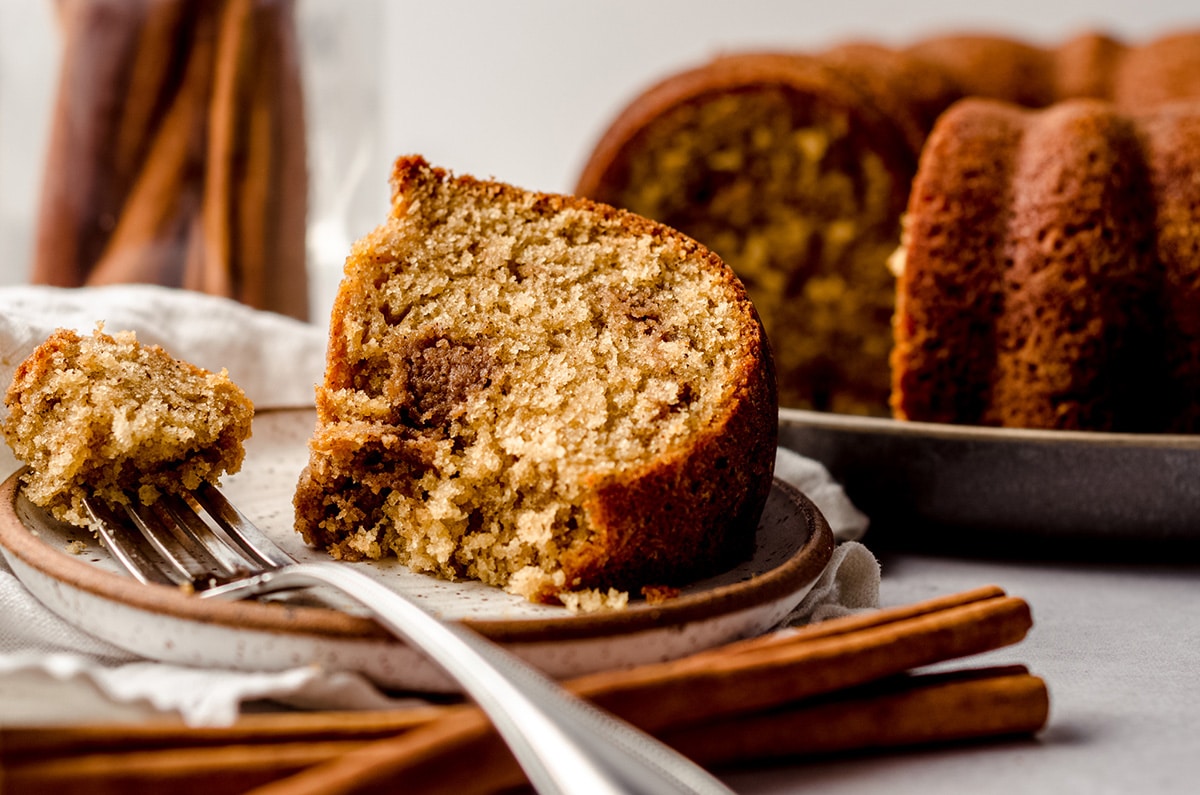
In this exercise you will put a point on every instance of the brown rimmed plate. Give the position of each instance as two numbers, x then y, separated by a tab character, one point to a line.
69	572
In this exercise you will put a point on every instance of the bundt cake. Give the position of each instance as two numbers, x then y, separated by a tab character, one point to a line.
1051	270
105	415
796	169
539	392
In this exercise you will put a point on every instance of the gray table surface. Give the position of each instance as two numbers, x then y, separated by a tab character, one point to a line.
1119	648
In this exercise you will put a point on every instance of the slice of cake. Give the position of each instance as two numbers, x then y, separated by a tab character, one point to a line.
539	392
108	416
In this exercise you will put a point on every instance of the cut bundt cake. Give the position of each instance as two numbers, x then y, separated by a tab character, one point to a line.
796	168
539	392
1051	270
105	415
797	182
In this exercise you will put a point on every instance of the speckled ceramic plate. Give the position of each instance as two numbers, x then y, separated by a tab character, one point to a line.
89	590
1025	492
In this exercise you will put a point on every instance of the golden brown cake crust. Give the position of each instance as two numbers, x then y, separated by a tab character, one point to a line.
941	363
1050	271
482	413
105	415
1170	140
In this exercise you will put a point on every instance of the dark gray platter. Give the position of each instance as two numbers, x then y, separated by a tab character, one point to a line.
1010	492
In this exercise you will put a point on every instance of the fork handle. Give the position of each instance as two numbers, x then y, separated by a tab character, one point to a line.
564	744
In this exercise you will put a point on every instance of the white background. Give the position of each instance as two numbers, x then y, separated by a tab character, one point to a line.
517	90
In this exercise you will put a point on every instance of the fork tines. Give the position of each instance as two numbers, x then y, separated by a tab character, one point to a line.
172	541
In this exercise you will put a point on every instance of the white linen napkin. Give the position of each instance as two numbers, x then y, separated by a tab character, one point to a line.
277	361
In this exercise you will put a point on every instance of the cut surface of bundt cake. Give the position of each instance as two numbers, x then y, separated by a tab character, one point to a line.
797	182
539	392
106	415
1049	271
796	168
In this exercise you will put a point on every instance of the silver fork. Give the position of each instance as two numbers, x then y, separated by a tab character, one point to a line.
564	744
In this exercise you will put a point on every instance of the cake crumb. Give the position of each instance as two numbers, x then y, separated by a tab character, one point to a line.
657	594
76	547
593	600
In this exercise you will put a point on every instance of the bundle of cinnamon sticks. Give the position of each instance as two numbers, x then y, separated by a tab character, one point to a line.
177	151
849	684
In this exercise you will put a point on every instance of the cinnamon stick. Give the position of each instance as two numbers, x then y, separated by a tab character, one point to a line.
921	709
273	173
149	243
785	671
80	199
159	63
864	620
202	771
284	269
230	69
255	191
28	743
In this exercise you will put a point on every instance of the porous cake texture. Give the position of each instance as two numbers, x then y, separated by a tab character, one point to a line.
797	182
539	392
108	416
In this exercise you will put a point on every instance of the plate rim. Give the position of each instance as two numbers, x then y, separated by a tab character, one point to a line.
980	433
801	569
